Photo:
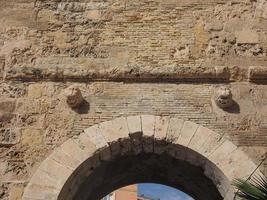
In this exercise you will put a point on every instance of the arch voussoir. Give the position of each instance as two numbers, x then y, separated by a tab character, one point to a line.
160	134
39	192
174	129
41	187
134	127
240	165
56	170
47	181
61	157
85	143
116	134
188	130
71	148
200	137
99	141
232	161
135	133
148	128
161	127
211	144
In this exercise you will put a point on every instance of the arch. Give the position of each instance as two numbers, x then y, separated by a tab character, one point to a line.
62	173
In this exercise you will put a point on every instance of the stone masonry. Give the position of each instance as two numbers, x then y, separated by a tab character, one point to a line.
163	58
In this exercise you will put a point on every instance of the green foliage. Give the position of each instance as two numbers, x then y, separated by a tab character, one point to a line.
255	189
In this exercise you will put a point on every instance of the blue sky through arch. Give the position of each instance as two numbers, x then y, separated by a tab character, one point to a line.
161	192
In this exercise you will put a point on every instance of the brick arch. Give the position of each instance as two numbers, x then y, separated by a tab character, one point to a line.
220	160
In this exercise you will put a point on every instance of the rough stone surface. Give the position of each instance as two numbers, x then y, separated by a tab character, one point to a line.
31	136
16	193
47	121
81	40
247	37
147	58
7	105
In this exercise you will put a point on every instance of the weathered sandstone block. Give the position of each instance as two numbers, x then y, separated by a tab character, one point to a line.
32	137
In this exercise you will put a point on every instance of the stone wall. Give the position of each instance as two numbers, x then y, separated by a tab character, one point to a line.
85	39
160	57
35	117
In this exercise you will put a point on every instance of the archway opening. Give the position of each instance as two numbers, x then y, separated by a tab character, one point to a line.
138	149
147	191
128	169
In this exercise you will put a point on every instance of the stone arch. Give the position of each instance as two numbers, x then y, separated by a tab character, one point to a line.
62	174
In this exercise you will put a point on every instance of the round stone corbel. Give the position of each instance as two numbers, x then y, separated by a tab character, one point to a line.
223	97
74	96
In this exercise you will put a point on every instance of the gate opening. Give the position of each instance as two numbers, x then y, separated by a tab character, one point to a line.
144	168
147	191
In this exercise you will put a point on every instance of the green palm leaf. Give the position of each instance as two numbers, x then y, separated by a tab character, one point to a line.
255	189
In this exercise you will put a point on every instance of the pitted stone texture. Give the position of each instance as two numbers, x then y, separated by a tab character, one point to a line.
257	73
7	105
9	136
82	40
247	37
32	136
36	90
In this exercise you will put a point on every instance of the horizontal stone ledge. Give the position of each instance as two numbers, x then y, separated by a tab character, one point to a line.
257	74
183	74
